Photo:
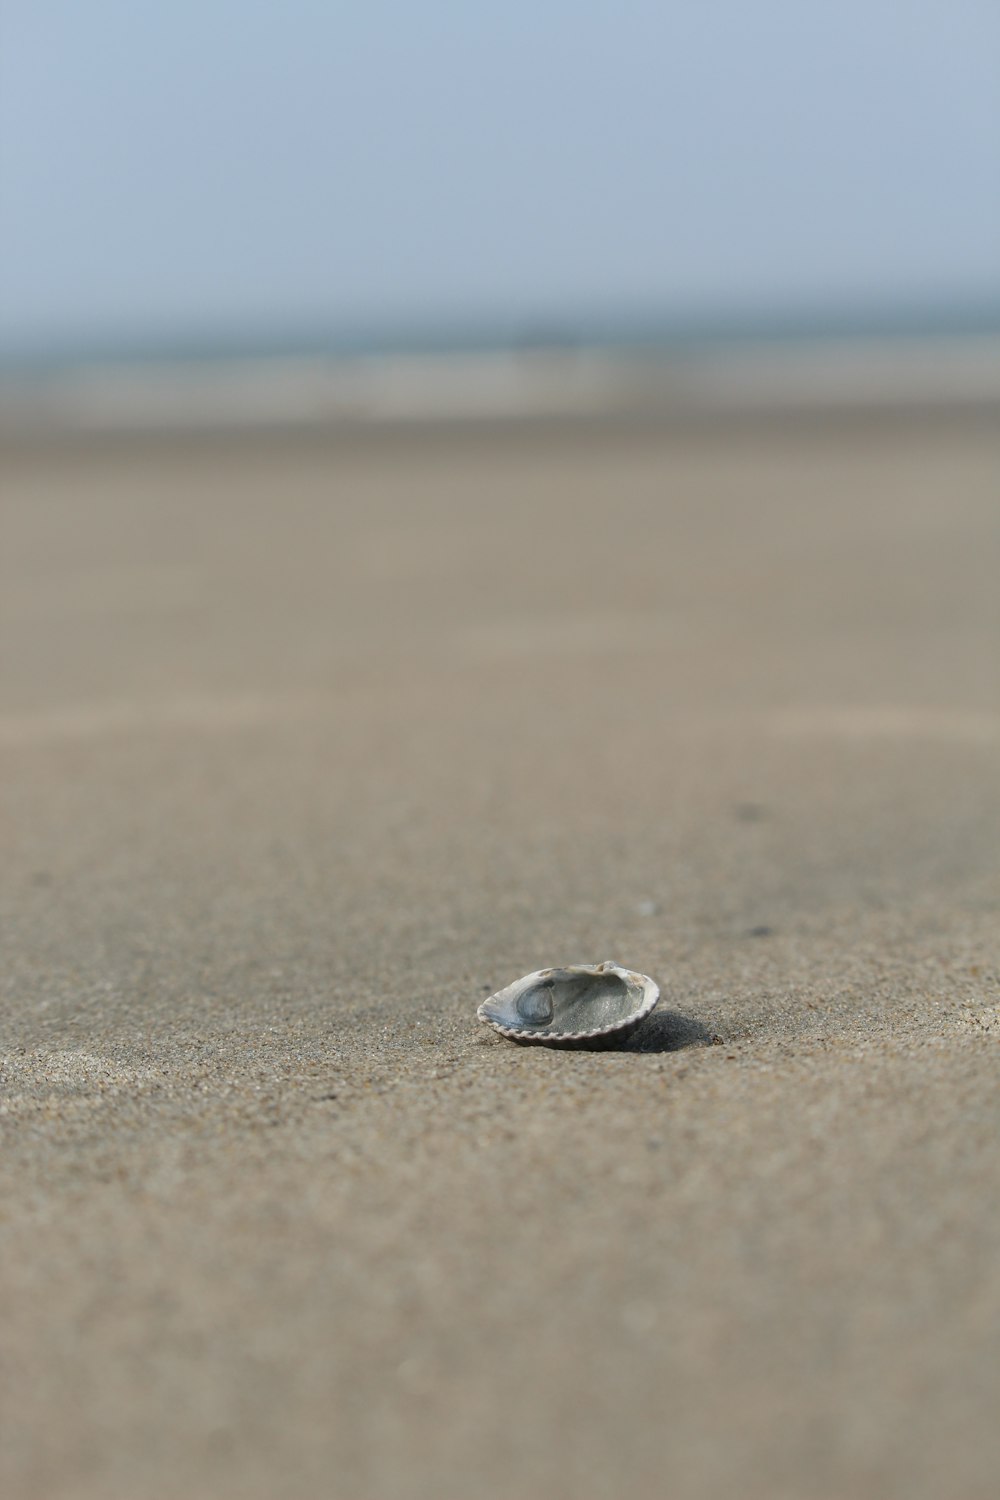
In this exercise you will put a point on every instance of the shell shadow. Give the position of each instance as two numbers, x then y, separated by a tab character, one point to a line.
669	1031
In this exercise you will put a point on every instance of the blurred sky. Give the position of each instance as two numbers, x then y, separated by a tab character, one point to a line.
222	164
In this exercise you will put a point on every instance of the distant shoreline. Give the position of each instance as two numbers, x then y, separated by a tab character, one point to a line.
372	389
623	332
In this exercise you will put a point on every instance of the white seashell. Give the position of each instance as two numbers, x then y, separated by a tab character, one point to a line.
585	1005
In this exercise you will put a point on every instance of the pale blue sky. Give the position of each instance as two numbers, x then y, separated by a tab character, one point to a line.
207	165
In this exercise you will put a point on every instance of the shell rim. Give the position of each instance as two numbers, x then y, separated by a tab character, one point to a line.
520	1034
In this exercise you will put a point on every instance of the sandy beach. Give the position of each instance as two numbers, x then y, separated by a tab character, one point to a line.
310	742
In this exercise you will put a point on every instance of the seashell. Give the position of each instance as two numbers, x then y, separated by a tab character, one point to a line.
584	1005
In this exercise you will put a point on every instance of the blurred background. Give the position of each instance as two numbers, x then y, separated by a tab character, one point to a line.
292	194
484	487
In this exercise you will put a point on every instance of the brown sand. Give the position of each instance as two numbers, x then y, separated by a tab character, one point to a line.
310	743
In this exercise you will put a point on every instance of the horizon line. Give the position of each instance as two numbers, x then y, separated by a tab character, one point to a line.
459	333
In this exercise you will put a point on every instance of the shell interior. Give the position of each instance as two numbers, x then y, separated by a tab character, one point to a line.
571	1001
